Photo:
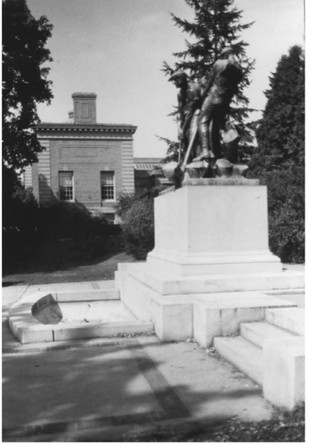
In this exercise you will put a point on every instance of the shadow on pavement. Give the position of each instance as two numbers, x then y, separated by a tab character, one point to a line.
99	389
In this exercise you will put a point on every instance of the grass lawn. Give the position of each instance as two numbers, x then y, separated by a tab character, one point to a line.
65	260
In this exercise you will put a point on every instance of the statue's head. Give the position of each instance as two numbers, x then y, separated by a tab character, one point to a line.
178	77
226	52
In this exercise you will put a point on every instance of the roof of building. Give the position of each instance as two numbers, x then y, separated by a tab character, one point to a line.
146	163
153	160
84	94
95	127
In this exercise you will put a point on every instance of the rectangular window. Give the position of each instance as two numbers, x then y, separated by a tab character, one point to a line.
107	185
66	185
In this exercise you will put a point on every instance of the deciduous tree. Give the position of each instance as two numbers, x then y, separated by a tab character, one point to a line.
24	81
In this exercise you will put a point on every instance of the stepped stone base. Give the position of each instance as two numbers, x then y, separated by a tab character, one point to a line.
245	356
211	238
211	267
200	307
284	372
272	353
200	264
28	329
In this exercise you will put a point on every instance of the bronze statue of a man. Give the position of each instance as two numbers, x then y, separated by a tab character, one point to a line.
220	89
189	100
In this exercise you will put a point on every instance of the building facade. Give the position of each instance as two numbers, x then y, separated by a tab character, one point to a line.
83	161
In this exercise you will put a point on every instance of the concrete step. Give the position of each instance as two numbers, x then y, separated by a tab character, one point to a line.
258	332
102	330
289	318
244	355
84	319
101	294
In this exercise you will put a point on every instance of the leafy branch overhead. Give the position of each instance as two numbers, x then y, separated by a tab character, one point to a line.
24	80
172	150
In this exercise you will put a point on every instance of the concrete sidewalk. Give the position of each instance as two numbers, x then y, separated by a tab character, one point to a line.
111	389
105	390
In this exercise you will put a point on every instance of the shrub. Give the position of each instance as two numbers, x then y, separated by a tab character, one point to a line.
29	230
286	213
20	212
20	226
137	225
125	202
65	220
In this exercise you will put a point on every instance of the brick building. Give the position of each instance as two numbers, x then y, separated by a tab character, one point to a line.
83	161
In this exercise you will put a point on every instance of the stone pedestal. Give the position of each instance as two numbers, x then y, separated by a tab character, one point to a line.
213	226
211	250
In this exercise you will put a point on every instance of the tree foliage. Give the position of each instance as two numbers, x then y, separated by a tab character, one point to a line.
279	157
280	135
286	206
24	80
172	153
216	24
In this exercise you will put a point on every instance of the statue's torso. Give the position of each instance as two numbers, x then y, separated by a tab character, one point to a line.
227	77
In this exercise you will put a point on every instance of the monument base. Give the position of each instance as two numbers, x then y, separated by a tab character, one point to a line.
206	264
211	252
213	226
183	307
211	272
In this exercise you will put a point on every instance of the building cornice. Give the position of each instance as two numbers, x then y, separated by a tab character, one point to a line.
82	128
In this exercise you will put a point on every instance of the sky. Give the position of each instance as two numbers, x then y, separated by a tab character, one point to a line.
115	48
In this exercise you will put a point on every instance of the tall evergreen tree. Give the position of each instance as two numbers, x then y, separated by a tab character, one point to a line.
216	24
279	157
24	81
281	133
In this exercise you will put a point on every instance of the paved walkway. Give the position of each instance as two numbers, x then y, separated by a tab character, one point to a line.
105	390
111	389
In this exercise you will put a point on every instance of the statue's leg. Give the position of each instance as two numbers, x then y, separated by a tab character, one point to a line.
215	135
193	127
204	130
